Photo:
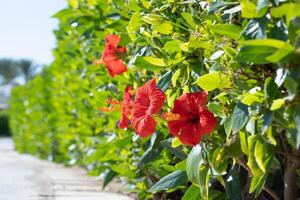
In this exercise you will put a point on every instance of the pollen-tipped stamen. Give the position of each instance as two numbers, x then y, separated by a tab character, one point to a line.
170	116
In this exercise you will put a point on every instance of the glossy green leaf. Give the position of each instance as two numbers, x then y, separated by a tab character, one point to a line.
193	163
252	164
164	28
212	81
277	104
229	30
172	180
248	9
233	185
193	193
165	81
240	117
189	19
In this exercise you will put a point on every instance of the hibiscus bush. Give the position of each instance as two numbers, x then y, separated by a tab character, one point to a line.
180	99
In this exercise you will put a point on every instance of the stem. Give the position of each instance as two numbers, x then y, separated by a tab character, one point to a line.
265	188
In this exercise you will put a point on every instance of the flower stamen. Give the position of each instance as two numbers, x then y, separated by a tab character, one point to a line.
170	116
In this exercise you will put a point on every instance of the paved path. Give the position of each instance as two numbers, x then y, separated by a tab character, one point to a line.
23	177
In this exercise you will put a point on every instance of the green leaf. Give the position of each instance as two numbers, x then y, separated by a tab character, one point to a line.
240	117
164	28
74	3
277	104
252	98
219	160
229	30
214	80
270	89
176	142
265	42
155	61
175	77
281	53
172	46
181	165
204	180
133	25
109	176
290	10
215	108
193	163
189	19
263	51
262	7
149	63
164	81
250	127
193	193
178	152
257	183
172	180
252	164
244	143
255	29
153	150
266	121
248	9
152	19
233	185
262	155
255	54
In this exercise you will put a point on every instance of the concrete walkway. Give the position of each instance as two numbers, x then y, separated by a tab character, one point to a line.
23	177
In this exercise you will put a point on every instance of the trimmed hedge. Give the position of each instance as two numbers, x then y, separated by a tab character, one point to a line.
244	54
4	125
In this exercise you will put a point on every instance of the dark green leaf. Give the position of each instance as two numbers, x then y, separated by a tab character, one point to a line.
233	185
178	152
255	54
172	180
240	117
109	176
266	121
270	89
165	81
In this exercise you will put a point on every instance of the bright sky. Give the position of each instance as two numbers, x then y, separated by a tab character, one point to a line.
26	29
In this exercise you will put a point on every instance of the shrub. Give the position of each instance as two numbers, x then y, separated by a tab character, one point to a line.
4	127
243	55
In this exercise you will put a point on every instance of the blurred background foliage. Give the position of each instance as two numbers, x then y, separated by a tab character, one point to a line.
245	53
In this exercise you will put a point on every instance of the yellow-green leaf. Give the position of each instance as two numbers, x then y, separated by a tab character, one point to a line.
277	104
214	80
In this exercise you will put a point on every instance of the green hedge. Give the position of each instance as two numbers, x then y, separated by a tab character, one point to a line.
4	125
244	54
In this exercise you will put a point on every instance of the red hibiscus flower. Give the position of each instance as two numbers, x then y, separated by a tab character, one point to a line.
148	101
195	120
112	56
126	107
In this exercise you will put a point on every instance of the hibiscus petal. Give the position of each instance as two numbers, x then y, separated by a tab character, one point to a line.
144	125
124	122
115	67
207	121
175	127
190	135
112	40
190	102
